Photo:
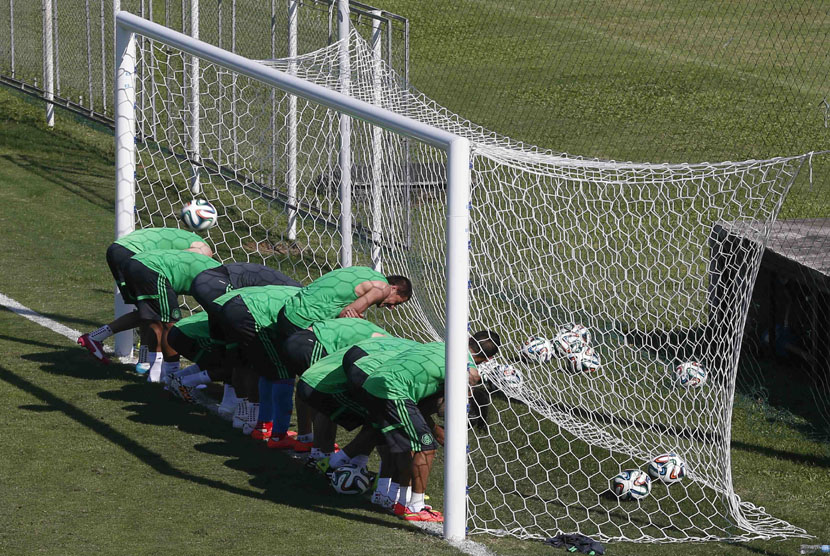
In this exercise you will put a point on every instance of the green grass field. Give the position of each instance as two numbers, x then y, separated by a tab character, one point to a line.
96	460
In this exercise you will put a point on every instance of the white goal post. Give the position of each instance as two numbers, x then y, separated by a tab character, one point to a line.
457	151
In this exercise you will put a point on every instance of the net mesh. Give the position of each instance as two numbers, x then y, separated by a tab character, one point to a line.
656	261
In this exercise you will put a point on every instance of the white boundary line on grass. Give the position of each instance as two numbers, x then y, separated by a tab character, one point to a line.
35	317
466	546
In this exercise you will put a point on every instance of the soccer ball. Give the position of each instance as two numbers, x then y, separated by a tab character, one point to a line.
690	375
567	343
668	468
585	359
507	375
579	330
199	215
350	479
537	349
631	484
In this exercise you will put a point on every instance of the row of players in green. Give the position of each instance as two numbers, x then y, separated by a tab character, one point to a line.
260	329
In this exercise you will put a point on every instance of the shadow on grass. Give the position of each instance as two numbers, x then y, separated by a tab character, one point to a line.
281	481
806	459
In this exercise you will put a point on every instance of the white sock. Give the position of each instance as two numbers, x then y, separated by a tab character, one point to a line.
306	437
316	453
383	485
394	489
403	495
416	502
187	371
169	367
337	459
360	461
229	398
195	379
154	374
101	334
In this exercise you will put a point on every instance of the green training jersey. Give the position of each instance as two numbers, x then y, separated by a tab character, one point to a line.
179	267
325	297
265	302
335	334
327	374
153	239
413	374
196	328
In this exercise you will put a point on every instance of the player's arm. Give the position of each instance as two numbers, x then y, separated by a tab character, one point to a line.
368	293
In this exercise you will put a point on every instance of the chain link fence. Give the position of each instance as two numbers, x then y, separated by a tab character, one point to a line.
83	34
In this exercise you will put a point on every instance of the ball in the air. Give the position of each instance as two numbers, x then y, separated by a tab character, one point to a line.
631	484
350	479
199	215
668	468
690	375
537	349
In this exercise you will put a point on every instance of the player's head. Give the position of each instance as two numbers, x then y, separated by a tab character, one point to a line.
401	291
484	345
201	247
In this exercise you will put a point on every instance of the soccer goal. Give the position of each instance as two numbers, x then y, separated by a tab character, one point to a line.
632	279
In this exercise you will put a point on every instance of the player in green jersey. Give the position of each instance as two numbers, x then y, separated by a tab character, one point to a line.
191	338
122	250
393	393
248	317
305	348
345	292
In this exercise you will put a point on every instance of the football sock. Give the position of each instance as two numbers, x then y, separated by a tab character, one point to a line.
403	495
155	360
383	486
266	402
360	461
229	398
283	400
187	371
168	367
306	437
195	379
101	334
416	502
338	459
394	489
316	453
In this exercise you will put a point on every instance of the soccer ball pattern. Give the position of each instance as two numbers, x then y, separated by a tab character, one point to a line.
669	468
690	375
584	359
567	343
578	329
199	215
537	349
350	479
631	484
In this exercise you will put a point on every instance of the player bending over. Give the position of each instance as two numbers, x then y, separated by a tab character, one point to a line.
393	393
121	251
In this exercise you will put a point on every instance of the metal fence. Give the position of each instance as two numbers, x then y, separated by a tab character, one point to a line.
82	39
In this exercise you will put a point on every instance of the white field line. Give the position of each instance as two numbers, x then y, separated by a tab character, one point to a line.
35	317
467	546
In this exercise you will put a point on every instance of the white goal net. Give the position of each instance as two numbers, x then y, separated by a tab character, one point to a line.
657	261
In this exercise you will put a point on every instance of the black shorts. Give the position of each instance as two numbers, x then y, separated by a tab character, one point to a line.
285	327
208	285
244	275
403	425
255	344
339	408
155	297
300	351
206	354
354	374
117	255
